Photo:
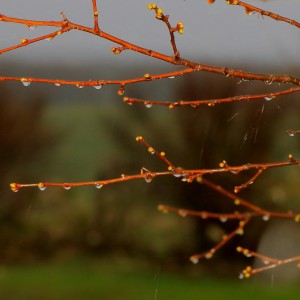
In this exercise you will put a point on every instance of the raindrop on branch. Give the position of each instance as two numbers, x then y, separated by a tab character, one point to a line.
148	177
194	260
268	98
266	217
97	87
41	186
26	83
98	186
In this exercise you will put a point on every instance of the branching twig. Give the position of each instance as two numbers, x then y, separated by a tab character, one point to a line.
185	175
213	102
269	262
65	26
250	9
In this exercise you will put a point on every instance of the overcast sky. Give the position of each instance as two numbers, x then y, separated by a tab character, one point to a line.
214	33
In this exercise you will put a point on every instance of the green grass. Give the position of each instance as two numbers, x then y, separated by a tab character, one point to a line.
111	279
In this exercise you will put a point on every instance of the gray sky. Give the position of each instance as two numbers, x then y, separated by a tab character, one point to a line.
214	33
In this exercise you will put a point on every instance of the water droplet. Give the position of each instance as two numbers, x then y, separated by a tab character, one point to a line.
148	105
177	175
184	179
41	186
26	83
291	134
249	12
49	39
182	213
97	87
268	82
268	98
241	276
266	262
266	217
32	27
67	187
79	86
57	84
171	77
223	219
148	177
194	260
98	186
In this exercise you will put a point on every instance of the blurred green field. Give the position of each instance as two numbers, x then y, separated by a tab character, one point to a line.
113	279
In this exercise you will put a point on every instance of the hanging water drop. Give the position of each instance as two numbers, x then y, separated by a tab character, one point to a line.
97	87
268	82
41	186
182	213
98	186
148	105
266	217
25	82
49	39
223	219
267	98
171	77
241	276
194	260
57	84
148	177
32	27
67	187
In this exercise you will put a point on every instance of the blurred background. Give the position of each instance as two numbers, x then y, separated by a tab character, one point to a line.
113	243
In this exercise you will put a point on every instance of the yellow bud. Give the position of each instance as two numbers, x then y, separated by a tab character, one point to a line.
59	33
159	11
237	202
14	187
151	150
147	76
162	208
139	138
23	40
96	13
180	25
199	179
181	31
